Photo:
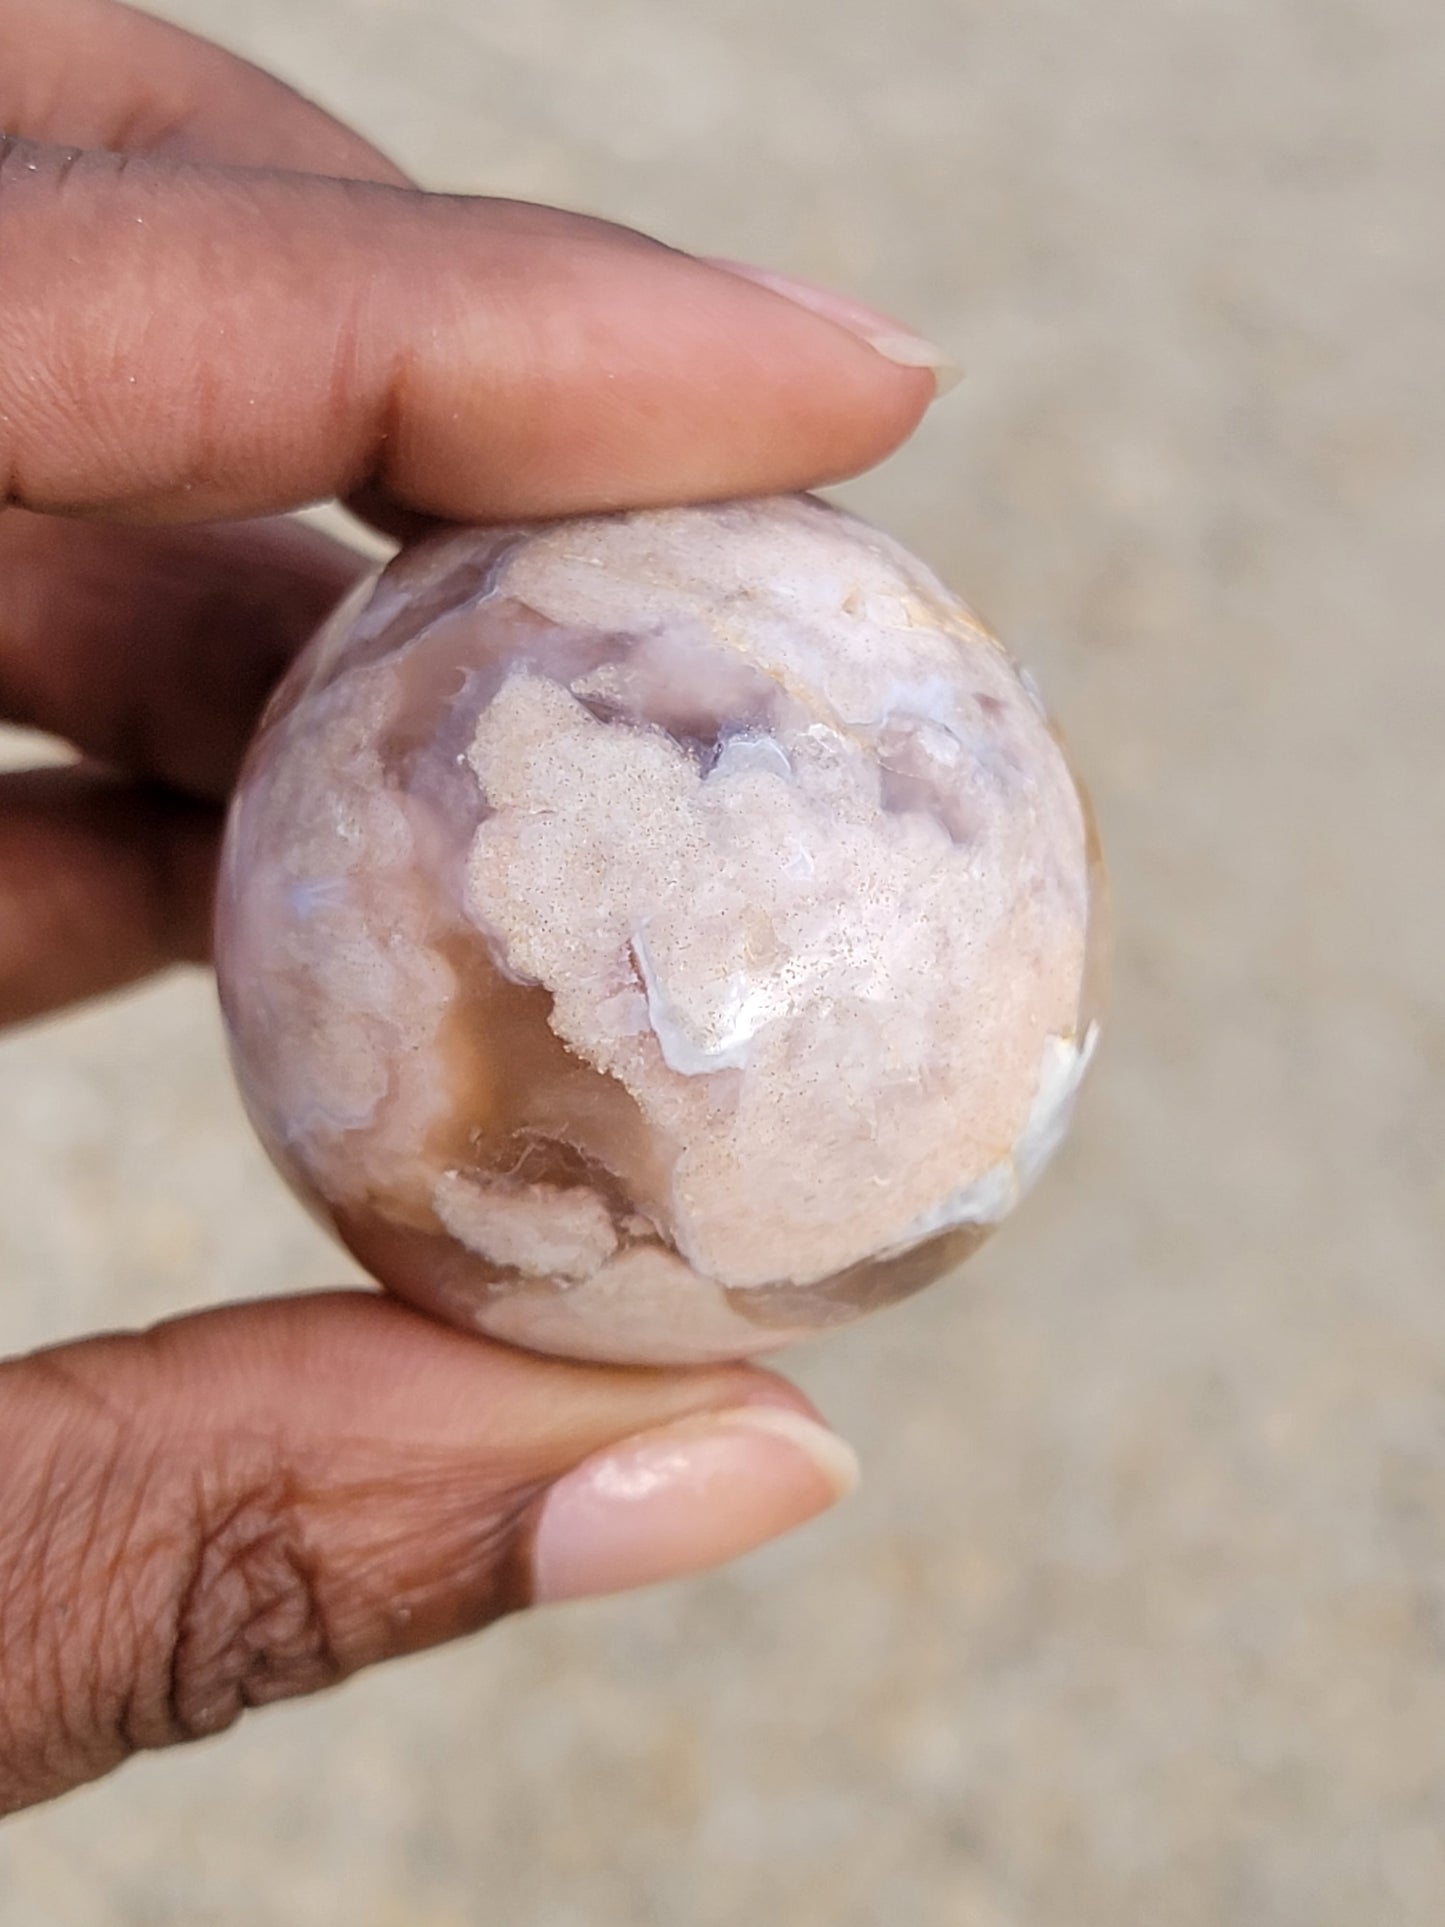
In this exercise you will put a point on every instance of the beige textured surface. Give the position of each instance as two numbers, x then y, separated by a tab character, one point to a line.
1139	1620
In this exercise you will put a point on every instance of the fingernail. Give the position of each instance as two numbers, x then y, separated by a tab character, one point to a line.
889	337
684	1498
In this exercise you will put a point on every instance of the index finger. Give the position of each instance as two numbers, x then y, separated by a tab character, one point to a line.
94	73
184	342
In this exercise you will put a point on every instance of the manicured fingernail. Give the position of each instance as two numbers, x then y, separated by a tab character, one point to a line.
891	339
684	1498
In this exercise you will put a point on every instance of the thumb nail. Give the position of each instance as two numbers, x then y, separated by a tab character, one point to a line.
889	337
684	1498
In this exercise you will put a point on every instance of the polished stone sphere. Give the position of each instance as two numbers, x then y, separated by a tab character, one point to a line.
655	937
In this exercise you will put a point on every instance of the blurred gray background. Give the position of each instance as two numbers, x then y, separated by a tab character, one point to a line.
1139	1620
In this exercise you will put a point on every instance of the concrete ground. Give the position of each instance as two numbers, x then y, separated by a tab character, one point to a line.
1139	1620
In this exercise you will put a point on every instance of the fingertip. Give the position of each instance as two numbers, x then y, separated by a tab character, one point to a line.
684	1498
888	337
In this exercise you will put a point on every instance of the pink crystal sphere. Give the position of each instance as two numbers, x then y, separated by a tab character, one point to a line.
654	937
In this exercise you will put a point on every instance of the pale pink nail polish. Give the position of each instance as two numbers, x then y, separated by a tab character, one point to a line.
881	332
684	1498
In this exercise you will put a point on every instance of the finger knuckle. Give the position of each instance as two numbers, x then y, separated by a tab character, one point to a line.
148	1594
250	1624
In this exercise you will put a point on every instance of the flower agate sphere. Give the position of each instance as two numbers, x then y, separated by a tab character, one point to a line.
654	937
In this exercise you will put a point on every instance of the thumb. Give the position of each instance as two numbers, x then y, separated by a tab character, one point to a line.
254	1503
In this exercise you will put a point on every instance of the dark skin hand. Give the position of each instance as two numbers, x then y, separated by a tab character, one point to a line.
216	305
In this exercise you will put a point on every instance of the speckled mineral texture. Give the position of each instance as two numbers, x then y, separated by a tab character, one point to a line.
655	936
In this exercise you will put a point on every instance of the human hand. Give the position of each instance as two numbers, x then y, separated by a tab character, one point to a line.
216	304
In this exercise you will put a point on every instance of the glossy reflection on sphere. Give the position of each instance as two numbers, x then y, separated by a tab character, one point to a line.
654	937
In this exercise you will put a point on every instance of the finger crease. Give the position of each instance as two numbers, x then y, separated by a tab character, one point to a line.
248	1625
